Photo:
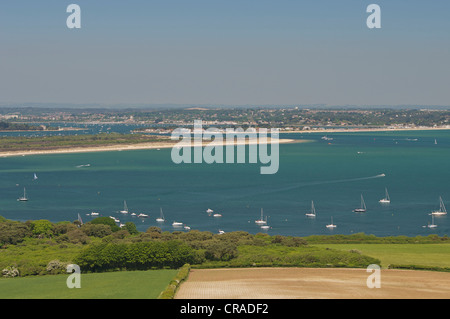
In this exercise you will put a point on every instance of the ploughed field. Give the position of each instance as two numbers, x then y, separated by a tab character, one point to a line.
301	283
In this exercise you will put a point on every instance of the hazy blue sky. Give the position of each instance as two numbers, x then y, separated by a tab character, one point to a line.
226	52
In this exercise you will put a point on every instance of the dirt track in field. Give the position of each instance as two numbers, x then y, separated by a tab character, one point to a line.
316	283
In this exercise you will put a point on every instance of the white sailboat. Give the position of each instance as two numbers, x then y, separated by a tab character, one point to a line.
265	226
209	211
362	209
24	197
161	219
442	210
313	211
217	215
386	199
125	208
35	176
432	225
80	220
261	221
177	224
331	225
143	215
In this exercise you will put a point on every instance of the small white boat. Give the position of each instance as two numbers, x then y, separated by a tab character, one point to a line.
115	219
221	232
386	199
313	211
217	215
209	211
362	209
432	225
35	176
442	210
160	219
94	214
122	225
177	224
143	215
331	225
261	221
187	227
24	197
125	208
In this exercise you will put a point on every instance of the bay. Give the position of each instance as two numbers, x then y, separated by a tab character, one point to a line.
332	173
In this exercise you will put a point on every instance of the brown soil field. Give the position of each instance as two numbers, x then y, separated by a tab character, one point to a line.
312	283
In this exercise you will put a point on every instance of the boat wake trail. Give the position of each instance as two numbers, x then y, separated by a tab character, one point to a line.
298	185
251	193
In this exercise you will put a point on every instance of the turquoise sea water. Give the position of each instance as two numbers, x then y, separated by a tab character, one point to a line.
332	173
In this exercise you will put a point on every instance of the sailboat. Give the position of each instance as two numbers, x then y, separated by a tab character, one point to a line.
35	176
385	200
177	224
125	208
79	219
432	225
24	197
331	225
265	226
161	217
313	211
442	210
260	221
363	206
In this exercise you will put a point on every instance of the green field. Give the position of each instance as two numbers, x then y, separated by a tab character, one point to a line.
120	285
434	255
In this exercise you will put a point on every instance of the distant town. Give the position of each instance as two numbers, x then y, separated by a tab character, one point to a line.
286	119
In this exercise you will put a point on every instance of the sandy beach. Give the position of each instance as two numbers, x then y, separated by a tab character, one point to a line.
140	146
367	129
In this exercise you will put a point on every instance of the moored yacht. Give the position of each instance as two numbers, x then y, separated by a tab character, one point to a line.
386	199
442	210
313	211
260	221
362	209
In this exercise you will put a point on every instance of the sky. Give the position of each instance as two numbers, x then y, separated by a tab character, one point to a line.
229	52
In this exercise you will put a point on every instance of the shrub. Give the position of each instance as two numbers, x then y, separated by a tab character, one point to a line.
42	228
106	221
135	256
96	230
13	232
56	267
10	272
169	292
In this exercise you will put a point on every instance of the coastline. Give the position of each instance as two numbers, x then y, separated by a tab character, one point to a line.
129	147
374	129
